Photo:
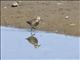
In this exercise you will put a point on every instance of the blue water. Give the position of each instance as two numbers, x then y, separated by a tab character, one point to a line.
54	46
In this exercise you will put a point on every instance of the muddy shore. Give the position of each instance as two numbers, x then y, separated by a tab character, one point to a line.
58	16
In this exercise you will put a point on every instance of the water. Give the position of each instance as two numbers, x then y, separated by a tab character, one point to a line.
14	46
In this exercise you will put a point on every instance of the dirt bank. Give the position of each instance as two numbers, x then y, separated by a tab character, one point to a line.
58	16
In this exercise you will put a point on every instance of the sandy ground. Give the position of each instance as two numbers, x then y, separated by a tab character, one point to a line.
52	13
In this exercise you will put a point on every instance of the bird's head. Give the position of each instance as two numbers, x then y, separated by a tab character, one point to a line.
38	17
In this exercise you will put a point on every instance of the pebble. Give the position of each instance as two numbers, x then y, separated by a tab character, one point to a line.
66	17
15	4
5	7
59	3
72	24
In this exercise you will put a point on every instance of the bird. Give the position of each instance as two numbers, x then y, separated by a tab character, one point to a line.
34	41
34	22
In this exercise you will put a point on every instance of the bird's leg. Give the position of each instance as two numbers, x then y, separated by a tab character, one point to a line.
31	31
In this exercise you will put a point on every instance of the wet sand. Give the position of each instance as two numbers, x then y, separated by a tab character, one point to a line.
58	16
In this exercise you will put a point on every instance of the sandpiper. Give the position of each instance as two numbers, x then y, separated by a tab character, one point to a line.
34	22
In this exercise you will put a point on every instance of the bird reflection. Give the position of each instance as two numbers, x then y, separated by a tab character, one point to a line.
33	40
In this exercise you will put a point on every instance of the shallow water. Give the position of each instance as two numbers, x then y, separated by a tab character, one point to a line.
14	46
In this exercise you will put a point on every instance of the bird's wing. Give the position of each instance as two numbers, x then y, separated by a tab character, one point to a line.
28	22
